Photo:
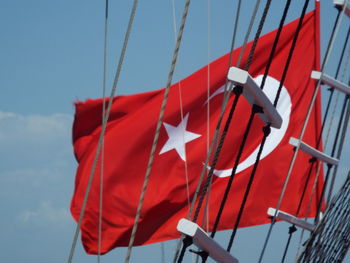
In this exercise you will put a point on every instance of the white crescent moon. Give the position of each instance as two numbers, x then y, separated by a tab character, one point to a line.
284	107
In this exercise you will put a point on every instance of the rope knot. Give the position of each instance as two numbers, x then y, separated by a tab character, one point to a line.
187	241
292	229
238	90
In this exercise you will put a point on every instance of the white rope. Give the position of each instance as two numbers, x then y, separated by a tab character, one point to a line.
99	146
329	51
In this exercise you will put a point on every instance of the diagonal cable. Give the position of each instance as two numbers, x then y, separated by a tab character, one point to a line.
313	99
99	146
156	136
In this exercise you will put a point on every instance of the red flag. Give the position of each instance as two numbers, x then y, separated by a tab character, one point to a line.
130	131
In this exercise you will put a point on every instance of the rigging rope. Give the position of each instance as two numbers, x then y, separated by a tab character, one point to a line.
208	104
266	129
292	228
330	241
186	242
340	149
181	113
238	92
102	146
99	146
156	136
291	166
328	133
335	143
341	144
340	123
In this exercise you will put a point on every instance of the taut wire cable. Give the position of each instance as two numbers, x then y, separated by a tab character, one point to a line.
313	99
327	135
99	146
341	144
255	109
292	228
266	130
186	241
159	123
103	146
238	92
205	223
181	113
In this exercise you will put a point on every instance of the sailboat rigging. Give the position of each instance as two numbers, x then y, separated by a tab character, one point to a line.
266	152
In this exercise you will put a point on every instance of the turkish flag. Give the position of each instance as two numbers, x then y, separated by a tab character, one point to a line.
130	131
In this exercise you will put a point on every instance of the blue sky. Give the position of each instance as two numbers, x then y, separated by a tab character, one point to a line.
51	56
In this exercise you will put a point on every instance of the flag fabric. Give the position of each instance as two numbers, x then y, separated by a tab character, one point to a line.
130	131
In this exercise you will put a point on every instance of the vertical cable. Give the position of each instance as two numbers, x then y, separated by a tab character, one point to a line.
205	224
328	133
99	146
181	114
156	136
102	146
255	109
313	99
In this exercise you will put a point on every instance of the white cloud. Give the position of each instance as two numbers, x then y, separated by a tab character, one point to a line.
45	213
37	167
34	141
17	127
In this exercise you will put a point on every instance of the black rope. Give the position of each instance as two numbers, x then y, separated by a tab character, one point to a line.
325	117
331	37
323	64
330	240
342	53
317	145
335	143
267	132
187	241
218	150
284	74
237	92
340	148
257	35
331	89
292	227
312	161
274	45
255	109
318	140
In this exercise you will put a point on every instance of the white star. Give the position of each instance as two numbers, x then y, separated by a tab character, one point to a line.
178	137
